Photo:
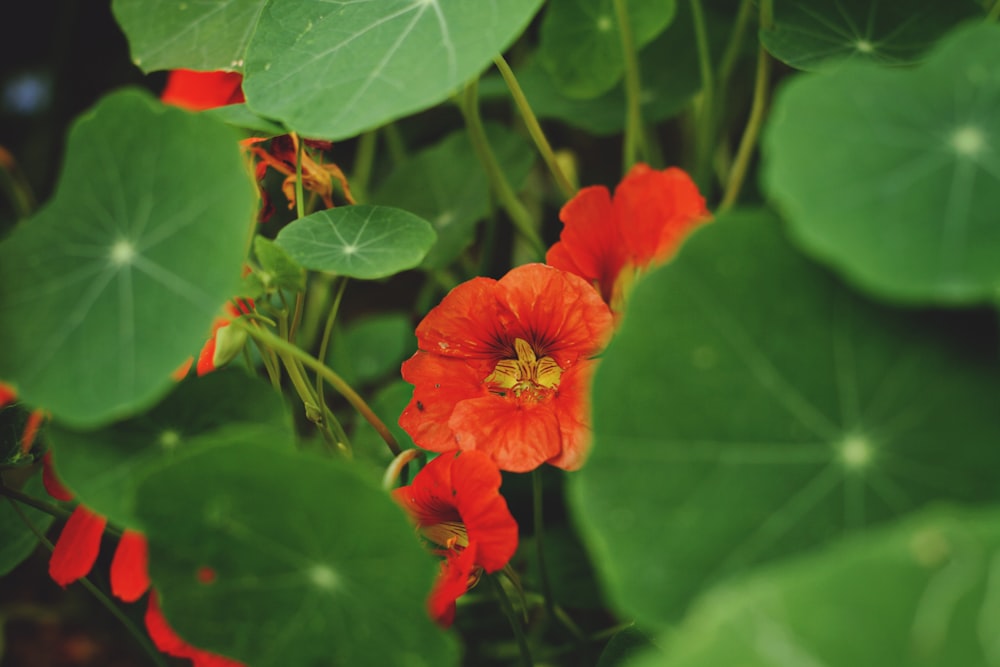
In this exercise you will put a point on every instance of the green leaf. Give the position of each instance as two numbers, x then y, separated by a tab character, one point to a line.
904	197
580	42
331	70
116	281
377	344
277	269
103	467
626	645
238	115
17	540
331	575
188	34
446	185
819	33
919	593
364	242
769	410
388	403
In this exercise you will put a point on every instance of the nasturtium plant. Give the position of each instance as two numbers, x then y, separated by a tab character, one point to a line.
125	268
358	241
791	422
17	538
902	202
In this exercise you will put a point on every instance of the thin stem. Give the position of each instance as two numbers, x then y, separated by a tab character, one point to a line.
139	636
733	47
634	144
534	129
519	215
327	332
705	116
538	516
300	204
364	160
49	508
749	139
282	346
515	624
300	298
394	141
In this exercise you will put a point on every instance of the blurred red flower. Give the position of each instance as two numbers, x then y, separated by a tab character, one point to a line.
197	91
455	501
504	367
607	241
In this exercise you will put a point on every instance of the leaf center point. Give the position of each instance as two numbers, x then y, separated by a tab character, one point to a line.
968	141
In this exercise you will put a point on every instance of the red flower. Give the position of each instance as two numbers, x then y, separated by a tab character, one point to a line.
166	640
225	341
504	367
455	500
197	91
607	241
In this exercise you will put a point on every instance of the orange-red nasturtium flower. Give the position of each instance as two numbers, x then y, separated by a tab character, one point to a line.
608	241
197	91
504	367
456	503
223	344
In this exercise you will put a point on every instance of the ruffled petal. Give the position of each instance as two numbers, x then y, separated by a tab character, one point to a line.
451	584
439	385
464	324
572	409
78	546
197	91
50	480
518	436
129	567
476	493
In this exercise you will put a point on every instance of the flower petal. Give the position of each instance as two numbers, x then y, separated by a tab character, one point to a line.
464	324
518	436
197	91
590	244
50	480
129	567
78	546
572	409
476	493
451	584
439	384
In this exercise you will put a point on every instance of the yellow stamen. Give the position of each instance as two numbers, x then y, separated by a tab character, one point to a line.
525	373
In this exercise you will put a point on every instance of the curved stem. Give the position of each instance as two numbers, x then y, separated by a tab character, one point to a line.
364	160
327	331
634	145
300	205
749	139
282	346
42	506
519	215
705	119
515	624
733	46
534	129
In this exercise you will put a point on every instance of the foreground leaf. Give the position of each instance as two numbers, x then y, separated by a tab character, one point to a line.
366	242
920	593
903	199
116	281
769	411
331	70
331	575
17	539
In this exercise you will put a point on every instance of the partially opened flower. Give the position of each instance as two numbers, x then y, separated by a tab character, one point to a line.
197	91
456	503
504	367
607	241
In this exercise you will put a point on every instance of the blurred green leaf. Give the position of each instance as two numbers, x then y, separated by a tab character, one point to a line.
919	593
103	467
446	185
332	70
580	42
192	34
376	345
365	242
819	33
750	408
627	645
238	115
331	575
278	269
117	280
892	176
17	540
388	404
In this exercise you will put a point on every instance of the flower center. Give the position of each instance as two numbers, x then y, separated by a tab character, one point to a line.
526	373
447	534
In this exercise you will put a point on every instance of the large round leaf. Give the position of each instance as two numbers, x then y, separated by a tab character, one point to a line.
893	176
111	286
812	34
190	34
333	69
315	559
102	467
921	593
750	408
364	242
581	45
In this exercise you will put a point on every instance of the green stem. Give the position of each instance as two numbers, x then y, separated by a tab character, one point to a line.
394	141
108	604
300	204
634	145
534	129
49	508
300	298
282	346
515	623
705	116
748	141
324	342
538	516
733	47
364	160
519	215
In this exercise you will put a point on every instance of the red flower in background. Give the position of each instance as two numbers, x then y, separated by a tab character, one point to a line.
606	240
197	91
504	367
455	500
